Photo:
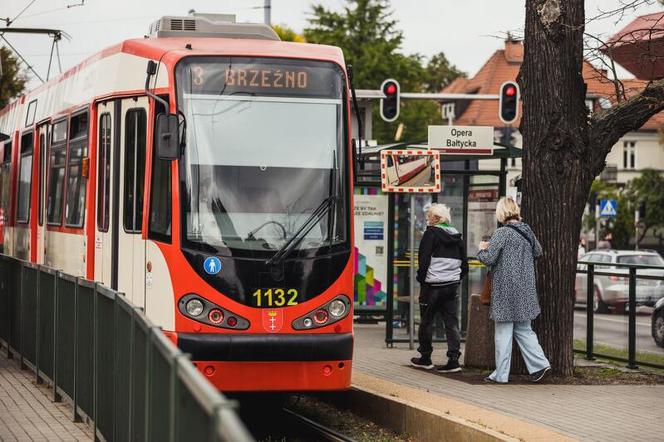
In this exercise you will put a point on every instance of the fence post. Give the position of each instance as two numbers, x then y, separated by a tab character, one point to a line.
632	319
95	320
20	318
590	287
148	364
174	411
76	417
56	332
38	379
132	334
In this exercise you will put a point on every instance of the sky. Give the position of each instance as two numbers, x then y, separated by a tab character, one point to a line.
467	31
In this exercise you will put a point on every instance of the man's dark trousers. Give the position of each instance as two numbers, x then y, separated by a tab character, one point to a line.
443	299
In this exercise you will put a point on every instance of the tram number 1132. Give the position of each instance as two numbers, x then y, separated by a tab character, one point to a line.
275	297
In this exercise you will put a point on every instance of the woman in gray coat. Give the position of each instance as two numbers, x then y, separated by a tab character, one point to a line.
511	254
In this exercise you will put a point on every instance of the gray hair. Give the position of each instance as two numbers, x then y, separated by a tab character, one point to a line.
439	213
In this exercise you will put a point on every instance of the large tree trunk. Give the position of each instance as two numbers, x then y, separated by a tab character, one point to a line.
564	150
556	171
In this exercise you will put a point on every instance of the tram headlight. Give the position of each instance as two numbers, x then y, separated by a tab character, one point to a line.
194	307
337	308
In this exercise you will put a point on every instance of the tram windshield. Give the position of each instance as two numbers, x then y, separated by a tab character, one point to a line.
264	149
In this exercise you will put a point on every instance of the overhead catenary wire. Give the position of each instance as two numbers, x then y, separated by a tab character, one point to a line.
9	22
22	58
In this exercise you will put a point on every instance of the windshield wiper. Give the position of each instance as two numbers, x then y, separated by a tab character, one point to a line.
302	232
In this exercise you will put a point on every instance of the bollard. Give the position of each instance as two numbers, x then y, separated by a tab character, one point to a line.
480	338
590	287
632	319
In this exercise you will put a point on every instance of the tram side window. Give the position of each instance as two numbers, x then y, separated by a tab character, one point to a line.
56	175
160	198
42	177
104	170
5	184
77	174
24	179
134	169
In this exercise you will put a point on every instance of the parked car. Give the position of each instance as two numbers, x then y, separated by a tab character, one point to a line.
658	323
613	291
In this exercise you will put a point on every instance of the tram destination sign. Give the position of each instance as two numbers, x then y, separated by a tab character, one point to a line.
462	140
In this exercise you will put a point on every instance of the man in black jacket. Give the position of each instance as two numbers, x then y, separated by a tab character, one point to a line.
442	266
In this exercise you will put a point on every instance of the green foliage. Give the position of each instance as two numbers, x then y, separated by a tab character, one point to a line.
622	225
12	82
371	41
439	73
287	34
648	188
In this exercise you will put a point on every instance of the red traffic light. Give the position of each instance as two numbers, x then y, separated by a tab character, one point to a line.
391	89
510	91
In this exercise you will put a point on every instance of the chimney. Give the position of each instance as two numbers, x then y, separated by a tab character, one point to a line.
513	49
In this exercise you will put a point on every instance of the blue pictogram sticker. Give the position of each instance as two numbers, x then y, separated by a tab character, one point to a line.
212	265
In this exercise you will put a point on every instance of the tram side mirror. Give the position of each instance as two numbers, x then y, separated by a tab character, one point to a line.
166	137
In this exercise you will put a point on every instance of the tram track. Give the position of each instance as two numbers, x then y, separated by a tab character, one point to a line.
324	432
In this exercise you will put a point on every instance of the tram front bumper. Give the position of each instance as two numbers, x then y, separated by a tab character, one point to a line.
261	362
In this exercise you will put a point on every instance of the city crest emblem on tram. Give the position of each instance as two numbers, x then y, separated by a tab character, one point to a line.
273	320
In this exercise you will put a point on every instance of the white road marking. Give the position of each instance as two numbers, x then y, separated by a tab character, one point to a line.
618	321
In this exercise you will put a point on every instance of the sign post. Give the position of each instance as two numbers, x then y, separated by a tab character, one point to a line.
461	140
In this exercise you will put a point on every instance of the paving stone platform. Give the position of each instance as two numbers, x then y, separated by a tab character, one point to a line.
587	412
27	412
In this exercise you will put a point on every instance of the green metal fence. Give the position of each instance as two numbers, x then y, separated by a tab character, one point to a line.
98	351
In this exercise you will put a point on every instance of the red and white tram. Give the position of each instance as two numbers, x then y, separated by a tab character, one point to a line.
218	199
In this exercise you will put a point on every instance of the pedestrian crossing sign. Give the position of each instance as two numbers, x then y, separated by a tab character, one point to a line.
608	208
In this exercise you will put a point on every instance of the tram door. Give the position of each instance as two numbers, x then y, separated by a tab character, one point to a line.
119	248
106	146
43	143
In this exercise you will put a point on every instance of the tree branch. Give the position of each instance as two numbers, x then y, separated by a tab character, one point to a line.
608	126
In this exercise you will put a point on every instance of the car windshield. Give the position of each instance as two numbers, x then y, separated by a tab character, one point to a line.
264	148
649	259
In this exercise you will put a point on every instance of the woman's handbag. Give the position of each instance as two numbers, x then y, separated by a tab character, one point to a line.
485	296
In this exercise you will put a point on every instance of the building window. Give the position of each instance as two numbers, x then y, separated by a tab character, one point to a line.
24	179
104	168
56	174
77	170
134	169
629	154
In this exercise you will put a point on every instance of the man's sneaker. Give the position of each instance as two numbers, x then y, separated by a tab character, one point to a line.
452	366
422	363
539	375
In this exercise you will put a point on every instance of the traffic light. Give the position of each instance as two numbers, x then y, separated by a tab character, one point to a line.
509	102
642	210
389	106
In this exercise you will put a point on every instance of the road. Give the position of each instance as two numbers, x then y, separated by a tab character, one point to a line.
421	179
611	329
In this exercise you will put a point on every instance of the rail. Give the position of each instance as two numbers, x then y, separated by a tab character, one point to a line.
100	353
631	306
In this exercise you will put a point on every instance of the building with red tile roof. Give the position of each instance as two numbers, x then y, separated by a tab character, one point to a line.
635	151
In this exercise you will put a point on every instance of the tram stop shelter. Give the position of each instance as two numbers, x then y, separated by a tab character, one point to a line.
389	227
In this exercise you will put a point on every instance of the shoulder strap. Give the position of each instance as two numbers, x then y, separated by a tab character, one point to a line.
520	233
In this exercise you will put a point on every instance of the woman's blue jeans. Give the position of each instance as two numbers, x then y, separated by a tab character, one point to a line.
528	344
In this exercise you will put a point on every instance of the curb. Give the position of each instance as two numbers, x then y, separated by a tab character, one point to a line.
430	417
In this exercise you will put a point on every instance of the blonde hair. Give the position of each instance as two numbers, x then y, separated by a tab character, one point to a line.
507	209
439	213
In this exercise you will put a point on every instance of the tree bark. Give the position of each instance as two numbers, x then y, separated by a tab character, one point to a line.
564	150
